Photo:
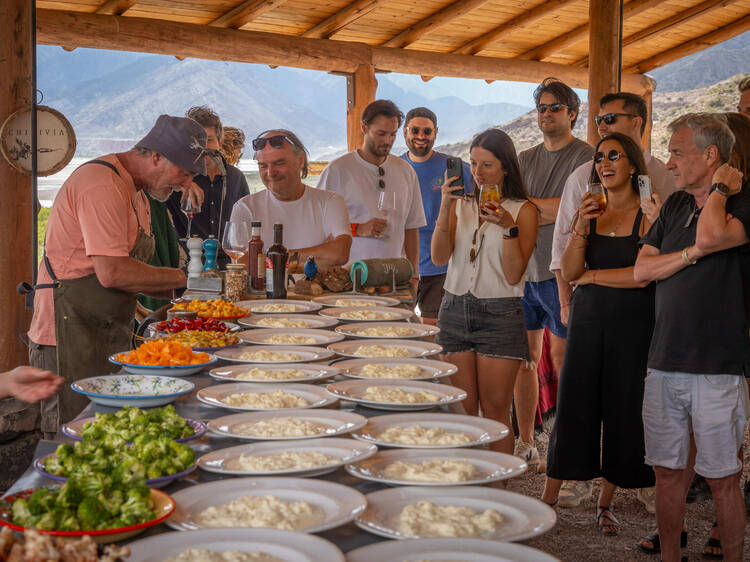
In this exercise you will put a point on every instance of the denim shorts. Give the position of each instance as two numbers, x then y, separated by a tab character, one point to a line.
490	327
541	307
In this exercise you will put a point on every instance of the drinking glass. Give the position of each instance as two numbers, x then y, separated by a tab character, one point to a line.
597	192
489	196
386	205
190	210
235	239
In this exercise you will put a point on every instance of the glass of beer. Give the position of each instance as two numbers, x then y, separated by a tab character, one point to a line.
597	192
489	197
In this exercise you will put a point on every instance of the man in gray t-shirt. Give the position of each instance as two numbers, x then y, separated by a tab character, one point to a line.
545	168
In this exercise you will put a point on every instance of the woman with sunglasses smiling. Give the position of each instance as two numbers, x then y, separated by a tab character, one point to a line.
487	250
611	321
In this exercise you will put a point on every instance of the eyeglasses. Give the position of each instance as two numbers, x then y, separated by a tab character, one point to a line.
612	156
473	254
610	118
276	141
381	183
553	107
426	130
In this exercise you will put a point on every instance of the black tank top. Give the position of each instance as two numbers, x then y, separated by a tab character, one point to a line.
611	252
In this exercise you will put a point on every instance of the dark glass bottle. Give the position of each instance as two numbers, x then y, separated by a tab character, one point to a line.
256	259
276	258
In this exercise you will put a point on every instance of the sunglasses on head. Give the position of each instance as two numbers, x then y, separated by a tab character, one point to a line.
276	141
612	156
553	107
610	118
426	130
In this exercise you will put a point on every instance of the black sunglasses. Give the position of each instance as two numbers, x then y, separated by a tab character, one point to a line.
553	107
276	141
610	118
612	156
381	183
427	130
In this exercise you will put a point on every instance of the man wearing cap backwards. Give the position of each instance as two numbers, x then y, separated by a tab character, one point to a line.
97	248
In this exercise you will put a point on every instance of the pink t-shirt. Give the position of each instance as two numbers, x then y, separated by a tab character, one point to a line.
92	216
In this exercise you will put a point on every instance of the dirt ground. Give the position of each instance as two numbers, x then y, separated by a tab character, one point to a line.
575	537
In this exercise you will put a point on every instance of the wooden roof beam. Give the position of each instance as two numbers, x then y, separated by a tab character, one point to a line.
581	32
685	16
115	7
245	12
451	12
693	46
341	19
482	42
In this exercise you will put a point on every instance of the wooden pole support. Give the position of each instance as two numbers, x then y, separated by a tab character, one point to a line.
646	137
360	92
604	53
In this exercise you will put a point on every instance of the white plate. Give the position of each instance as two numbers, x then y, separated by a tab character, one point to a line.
312	321
256	306
417	330
260	335
431	369
313	372
285	545
351	300
339	422
144	391
489	465
340	503
354	391
523	517
466	550
342	451
481	430
387	314
176	371
416	348
215	395
306	353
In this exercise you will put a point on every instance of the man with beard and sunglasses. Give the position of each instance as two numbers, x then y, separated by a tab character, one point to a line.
381	191
420	132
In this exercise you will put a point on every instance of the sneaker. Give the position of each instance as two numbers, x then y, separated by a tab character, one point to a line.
573	492
646	496
528	453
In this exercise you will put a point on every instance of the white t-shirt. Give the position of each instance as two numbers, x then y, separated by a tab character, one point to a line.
662	182
308	221
357	181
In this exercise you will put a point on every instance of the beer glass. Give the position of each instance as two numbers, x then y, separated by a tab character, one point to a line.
597	192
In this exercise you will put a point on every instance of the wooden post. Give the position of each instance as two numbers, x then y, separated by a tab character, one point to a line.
15	193
646	138
604	56
360	92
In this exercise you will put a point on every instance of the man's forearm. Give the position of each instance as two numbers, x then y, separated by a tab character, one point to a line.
132	276
411	247
655	267
327	254
547	208
714	232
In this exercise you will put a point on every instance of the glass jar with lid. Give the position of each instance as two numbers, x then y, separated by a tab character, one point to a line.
235	282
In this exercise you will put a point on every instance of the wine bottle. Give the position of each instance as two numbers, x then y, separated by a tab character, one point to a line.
256	259
276	258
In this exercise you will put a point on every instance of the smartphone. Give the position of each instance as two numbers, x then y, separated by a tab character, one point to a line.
455	167
644	187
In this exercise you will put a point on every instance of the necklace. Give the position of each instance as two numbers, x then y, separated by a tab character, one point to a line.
613	232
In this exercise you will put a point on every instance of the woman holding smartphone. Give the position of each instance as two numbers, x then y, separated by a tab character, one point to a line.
611	321
487	248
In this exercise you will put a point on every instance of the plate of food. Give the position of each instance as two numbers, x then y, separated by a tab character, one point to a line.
343	301
221	309
296	372
388	330
199	340
385	348
178	324
287	321
396	368
280	425
307	457
410	512
30	545
289	336
154	357
366	314
396	395
243	396
431	431
467	550
131	422
448	467
279	306
284	546
269	354
145	391
290	504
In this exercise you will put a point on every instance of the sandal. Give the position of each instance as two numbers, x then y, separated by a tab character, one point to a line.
553	505
712	543
610	529
656	543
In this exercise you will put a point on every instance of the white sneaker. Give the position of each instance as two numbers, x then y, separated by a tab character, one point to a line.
528	453
573	492
647	497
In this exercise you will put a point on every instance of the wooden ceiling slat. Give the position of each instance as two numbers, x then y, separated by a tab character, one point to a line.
448	14
116	7
342	18
692	46
245	12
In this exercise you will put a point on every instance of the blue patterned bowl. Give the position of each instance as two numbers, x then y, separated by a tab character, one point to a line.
133	390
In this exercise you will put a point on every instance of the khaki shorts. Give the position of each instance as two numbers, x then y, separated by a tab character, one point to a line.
713	407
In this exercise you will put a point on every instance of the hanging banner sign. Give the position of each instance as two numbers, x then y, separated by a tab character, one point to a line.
56	140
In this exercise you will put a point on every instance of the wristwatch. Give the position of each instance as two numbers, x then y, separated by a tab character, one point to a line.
721	188
512	232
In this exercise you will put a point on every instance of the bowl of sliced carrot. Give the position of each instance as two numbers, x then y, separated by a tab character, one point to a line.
159	357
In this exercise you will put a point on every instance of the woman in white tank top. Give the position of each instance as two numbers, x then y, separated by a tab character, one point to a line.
481	321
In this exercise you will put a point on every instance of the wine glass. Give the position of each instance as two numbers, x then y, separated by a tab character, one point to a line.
597	192
386	205
489	196
190	209
235	239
